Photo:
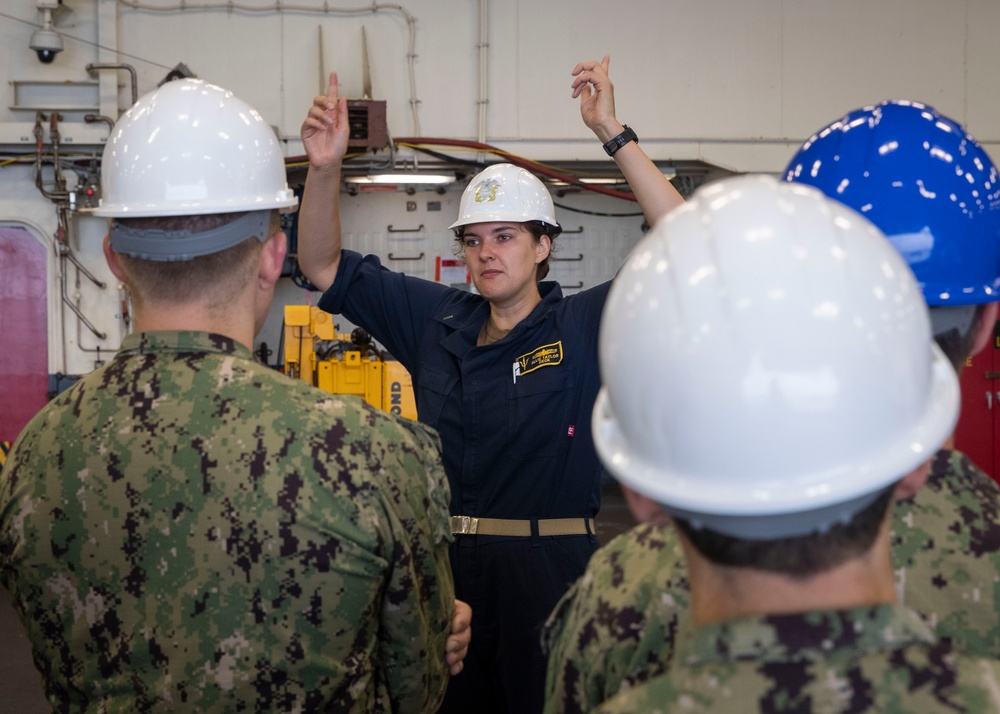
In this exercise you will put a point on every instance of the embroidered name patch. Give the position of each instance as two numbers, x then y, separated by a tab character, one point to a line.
544	356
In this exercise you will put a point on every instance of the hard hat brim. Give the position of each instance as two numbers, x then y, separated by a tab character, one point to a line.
692	492
283	203
501	217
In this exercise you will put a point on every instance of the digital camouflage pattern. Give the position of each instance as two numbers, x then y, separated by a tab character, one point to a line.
187	530
872	659
946	554
617	625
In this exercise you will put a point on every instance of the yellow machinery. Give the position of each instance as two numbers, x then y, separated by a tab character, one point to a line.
344	364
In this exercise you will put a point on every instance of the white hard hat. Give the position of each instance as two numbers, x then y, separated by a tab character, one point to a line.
191	148
504	192
766	352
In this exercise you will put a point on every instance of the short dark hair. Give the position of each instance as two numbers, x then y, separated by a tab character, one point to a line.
799	557
539	229
214	277
957	344
536	228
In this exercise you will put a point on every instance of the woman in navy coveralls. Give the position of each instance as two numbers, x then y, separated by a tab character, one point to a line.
508	377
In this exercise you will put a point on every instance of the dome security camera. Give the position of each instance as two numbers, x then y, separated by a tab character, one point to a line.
46	42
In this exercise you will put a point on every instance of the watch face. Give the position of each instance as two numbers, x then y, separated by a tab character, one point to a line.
619	141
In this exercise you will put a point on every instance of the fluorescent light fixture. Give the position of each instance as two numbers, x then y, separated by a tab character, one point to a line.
668	174
592	181
402	178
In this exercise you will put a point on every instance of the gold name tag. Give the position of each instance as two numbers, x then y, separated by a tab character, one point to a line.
544	356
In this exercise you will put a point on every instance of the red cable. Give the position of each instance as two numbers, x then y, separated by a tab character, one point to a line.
518	161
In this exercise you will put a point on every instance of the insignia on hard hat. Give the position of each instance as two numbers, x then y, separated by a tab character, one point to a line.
493	185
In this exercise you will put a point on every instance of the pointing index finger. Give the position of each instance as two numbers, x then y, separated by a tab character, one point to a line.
332	91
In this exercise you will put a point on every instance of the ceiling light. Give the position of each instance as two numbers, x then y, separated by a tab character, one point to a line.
668	174
402	178
592	181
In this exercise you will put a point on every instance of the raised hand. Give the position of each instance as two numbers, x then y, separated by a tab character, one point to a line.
325	131
597	98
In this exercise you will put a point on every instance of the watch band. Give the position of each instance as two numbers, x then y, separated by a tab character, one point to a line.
619	141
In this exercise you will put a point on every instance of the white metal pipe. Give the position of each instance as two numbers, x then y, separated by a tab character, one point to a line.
484	75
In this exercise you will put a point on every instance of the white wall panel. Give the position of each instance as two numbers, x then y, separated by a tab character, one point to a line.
982	90
687	73
843	55
680	69
736	83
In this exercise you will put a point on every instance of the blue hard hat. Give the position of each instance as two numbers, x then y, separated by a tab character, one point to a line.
926	183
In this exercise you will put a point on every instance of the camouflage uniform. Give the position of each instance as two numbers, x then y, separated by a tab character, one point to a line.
188	530
879	658
616	626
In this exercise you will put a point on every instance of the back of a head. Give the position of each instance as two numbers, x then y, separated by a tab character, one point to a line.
191	149
767	363
925	183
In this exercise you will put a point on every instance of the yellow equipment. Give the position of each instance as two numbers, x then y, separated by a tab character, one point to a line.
344	364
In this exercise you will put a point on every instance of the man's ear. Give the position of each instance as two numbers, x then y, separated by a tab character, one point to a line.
913	481
272	259
984	330
112	258
644	508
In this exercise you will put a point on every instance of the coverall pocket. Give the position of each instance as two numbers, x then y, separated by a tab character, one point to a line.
435	387
541	410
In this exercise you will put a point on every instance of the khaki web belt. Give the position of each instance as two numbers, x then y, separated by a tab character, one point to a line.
467	525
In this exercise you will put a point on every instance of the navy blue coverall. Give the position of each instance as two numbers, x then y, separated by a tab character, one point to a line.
515	423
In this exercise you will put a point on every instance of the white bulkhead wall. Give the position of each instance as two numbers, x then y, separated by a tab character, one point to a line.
735	84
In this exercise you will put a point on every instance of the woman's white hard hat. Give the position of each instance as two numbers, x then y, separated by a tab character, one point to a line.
504	192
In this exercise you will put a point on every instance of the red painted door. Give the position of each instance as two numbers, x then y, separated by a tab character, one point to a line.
976	434
24	351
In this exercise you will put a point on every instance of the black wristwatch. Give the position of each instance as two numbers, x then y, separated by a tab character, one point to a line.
619	141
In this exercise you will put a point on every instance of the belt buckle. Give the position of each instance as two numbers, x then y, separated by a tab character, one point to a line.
464	525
